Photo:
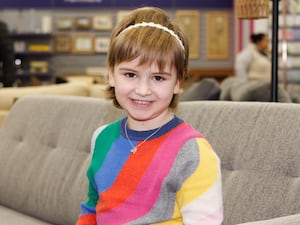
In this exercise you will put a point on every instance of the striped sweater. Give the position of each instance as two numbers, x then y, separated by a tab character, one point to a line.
173	178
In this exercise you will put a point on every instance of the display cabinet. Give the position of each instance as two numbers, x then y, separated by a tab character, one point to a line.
33	53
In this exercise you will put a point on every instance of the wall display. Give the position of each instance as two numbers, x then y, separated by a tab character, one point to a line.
83	23
83	43
64	23
121	14
189	20
19	46
62	43
38	67
101	44
217	35
103	22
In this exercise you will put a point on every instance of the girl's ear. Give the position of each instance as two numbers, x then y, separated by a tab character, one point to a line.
111	80
176	87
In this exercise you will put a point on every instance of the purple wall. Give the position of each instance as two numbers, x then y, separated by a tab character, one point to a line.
116	3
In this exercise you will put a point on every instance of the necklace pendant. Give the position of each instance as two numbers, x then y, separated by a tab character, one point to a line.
133	150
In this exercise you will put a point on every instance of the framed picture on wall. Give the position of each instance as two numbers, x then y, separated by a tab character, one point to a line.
103	22
83	23
83	43
64	23
189	21
217	35
101	44
62	43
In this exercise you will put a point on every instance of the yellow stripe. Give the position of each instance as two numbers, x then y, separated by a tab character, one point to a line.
204	176
198	183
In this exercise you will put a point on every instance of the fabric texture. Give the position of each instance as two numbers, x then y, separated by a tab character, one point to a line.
12	217
140	188
285	220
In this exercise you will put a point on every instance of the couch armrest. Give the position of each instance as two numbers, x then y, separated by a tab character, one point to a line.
285	220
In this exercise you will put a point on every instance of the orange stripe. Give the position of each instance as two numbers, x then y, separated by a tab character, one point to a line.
87	219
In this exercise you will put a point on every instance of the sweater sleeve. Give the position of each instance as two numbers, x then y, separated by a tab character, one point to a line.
88	214
200	195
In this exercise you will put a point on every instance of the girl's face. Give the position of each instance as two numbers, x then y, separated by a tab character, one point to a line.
144	92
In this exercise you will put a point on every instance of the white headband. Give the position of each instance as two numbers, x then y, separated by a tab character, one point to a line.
151	24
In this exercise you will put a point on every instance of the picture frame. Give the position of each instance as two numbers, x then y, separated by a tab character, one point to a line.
122	14
64	23
101	44
217	35
62	43
83	23
103	22
189	21
83	43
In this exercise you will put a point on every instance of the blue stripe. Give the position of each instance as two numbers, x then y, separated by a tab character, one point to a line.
114	161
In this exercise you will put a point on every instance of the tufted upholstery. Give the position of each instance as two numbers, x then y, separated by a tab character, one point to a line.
45	143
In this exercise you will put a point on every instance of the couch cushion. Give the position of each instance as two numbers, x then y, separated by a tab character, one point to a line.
12	217
285	220
205	89
256	90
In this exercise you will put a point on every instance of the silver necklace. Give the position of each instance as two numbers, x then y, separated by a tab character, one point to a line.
135	148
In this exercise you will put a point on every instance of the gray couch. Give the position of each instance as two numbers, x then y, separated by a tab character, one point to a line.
45	150
232	89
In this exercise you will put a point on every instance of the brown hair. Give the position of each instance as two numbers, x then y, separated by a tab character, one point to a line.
152	45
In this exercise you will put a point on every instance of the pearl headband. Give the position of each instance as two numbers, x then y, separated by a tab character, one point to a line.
155	25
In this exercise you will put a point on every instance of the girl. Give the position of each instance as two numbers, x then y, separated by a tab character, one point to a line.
150	167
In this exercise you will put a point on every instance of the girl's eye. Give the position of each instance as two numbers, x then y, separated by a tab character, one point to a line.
130	75
158	78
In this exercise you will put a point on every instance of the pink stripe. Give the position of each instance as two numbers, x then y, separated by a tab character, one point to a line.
148	191
212	219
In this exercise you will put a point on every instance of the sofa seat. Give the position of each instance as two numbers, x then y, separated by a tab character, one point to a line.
12	217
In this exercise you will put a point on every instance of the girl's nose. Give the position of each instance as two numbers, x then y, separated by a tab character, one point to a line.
143	88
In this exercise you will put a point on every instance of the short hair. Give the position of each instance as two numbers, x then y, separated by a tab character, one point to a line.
151	44
255	38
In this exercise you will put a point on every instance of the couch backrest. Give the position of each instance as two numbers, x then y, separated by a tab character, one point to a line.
259	146
44	154
45	145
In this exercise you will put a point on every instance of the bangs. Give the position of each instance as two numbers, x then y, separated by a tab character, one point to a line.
152	45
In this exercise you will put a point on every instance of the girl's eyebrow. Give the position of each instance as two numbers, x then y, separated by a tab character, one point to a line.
136	71
130	69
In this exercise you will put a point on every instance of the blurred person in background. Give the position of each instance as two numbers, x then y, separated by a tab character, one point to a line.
7	58
253	62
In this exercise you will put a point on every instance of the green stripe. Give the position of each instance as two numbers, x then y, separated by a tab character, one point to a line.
102	146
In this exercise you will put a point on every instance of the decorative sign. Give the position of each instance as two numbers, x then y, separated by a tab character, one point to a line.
83	3
217	35
189	20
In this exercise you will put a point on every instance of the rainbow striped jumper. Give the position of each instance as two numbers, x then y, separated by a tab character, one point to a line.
173	178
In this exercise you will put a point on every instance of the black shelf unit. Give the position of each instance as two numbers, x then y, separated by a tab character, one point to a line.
31	48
